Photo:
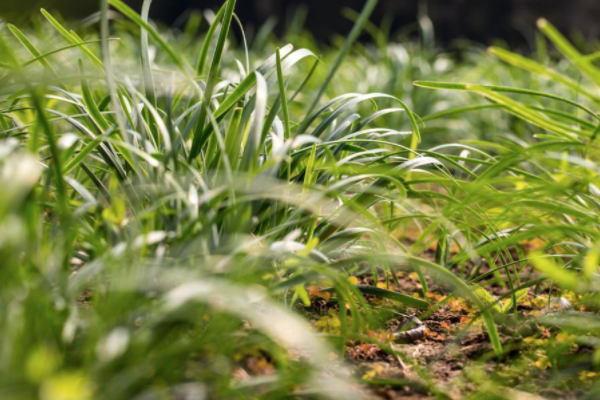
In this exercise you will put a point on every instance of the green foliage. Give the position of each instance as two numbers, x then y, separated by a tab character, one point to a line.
157	220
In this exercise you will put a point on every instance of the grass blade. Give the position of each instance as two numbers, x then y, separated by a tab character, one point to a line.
146	68
540	69
72	39
388	294
283	97
137	19
203	56
354	33
30	47
198	139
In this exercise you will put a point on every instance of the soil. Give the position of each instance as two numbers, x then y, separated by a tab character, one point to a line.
455	352
445	353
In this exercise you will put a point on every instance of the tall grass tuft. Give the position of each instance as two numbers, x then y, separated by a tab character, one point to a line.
166	202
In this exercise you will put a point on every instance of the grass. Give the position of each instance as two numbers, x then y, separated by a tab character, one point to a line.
176	213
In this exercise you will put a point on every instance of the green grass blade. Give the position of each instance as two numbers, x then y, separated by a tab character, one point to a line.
512	106
584	65
203	56
535	67
181	62
254	141
90	103
388	294
354	33
146	68
235	96
72	39
283	97
55	152
566	279
198	139
83	153
61	49
503	89
233	138
30	47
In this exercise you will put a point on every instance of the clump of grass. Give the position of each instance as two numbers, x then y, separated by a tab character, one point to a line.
165	210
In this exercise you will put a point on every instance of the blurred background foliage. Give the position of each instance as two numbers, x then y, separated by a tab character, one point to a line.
483	21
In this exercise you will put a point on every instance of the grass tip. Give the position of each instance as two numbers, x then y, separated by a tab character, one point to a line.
542	22
492	50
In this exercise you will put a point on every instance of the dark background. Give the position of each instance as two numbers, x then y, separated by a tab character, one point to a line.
479	20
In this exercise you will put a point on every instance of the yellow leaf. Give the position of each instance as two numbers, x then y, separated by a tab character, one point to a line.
41	363
542	363
565	337
369	375
590	264
67	386
329	323
313	292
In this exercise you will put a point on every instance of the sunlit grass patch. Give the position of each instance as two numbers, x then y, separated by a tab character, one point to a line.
186	218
